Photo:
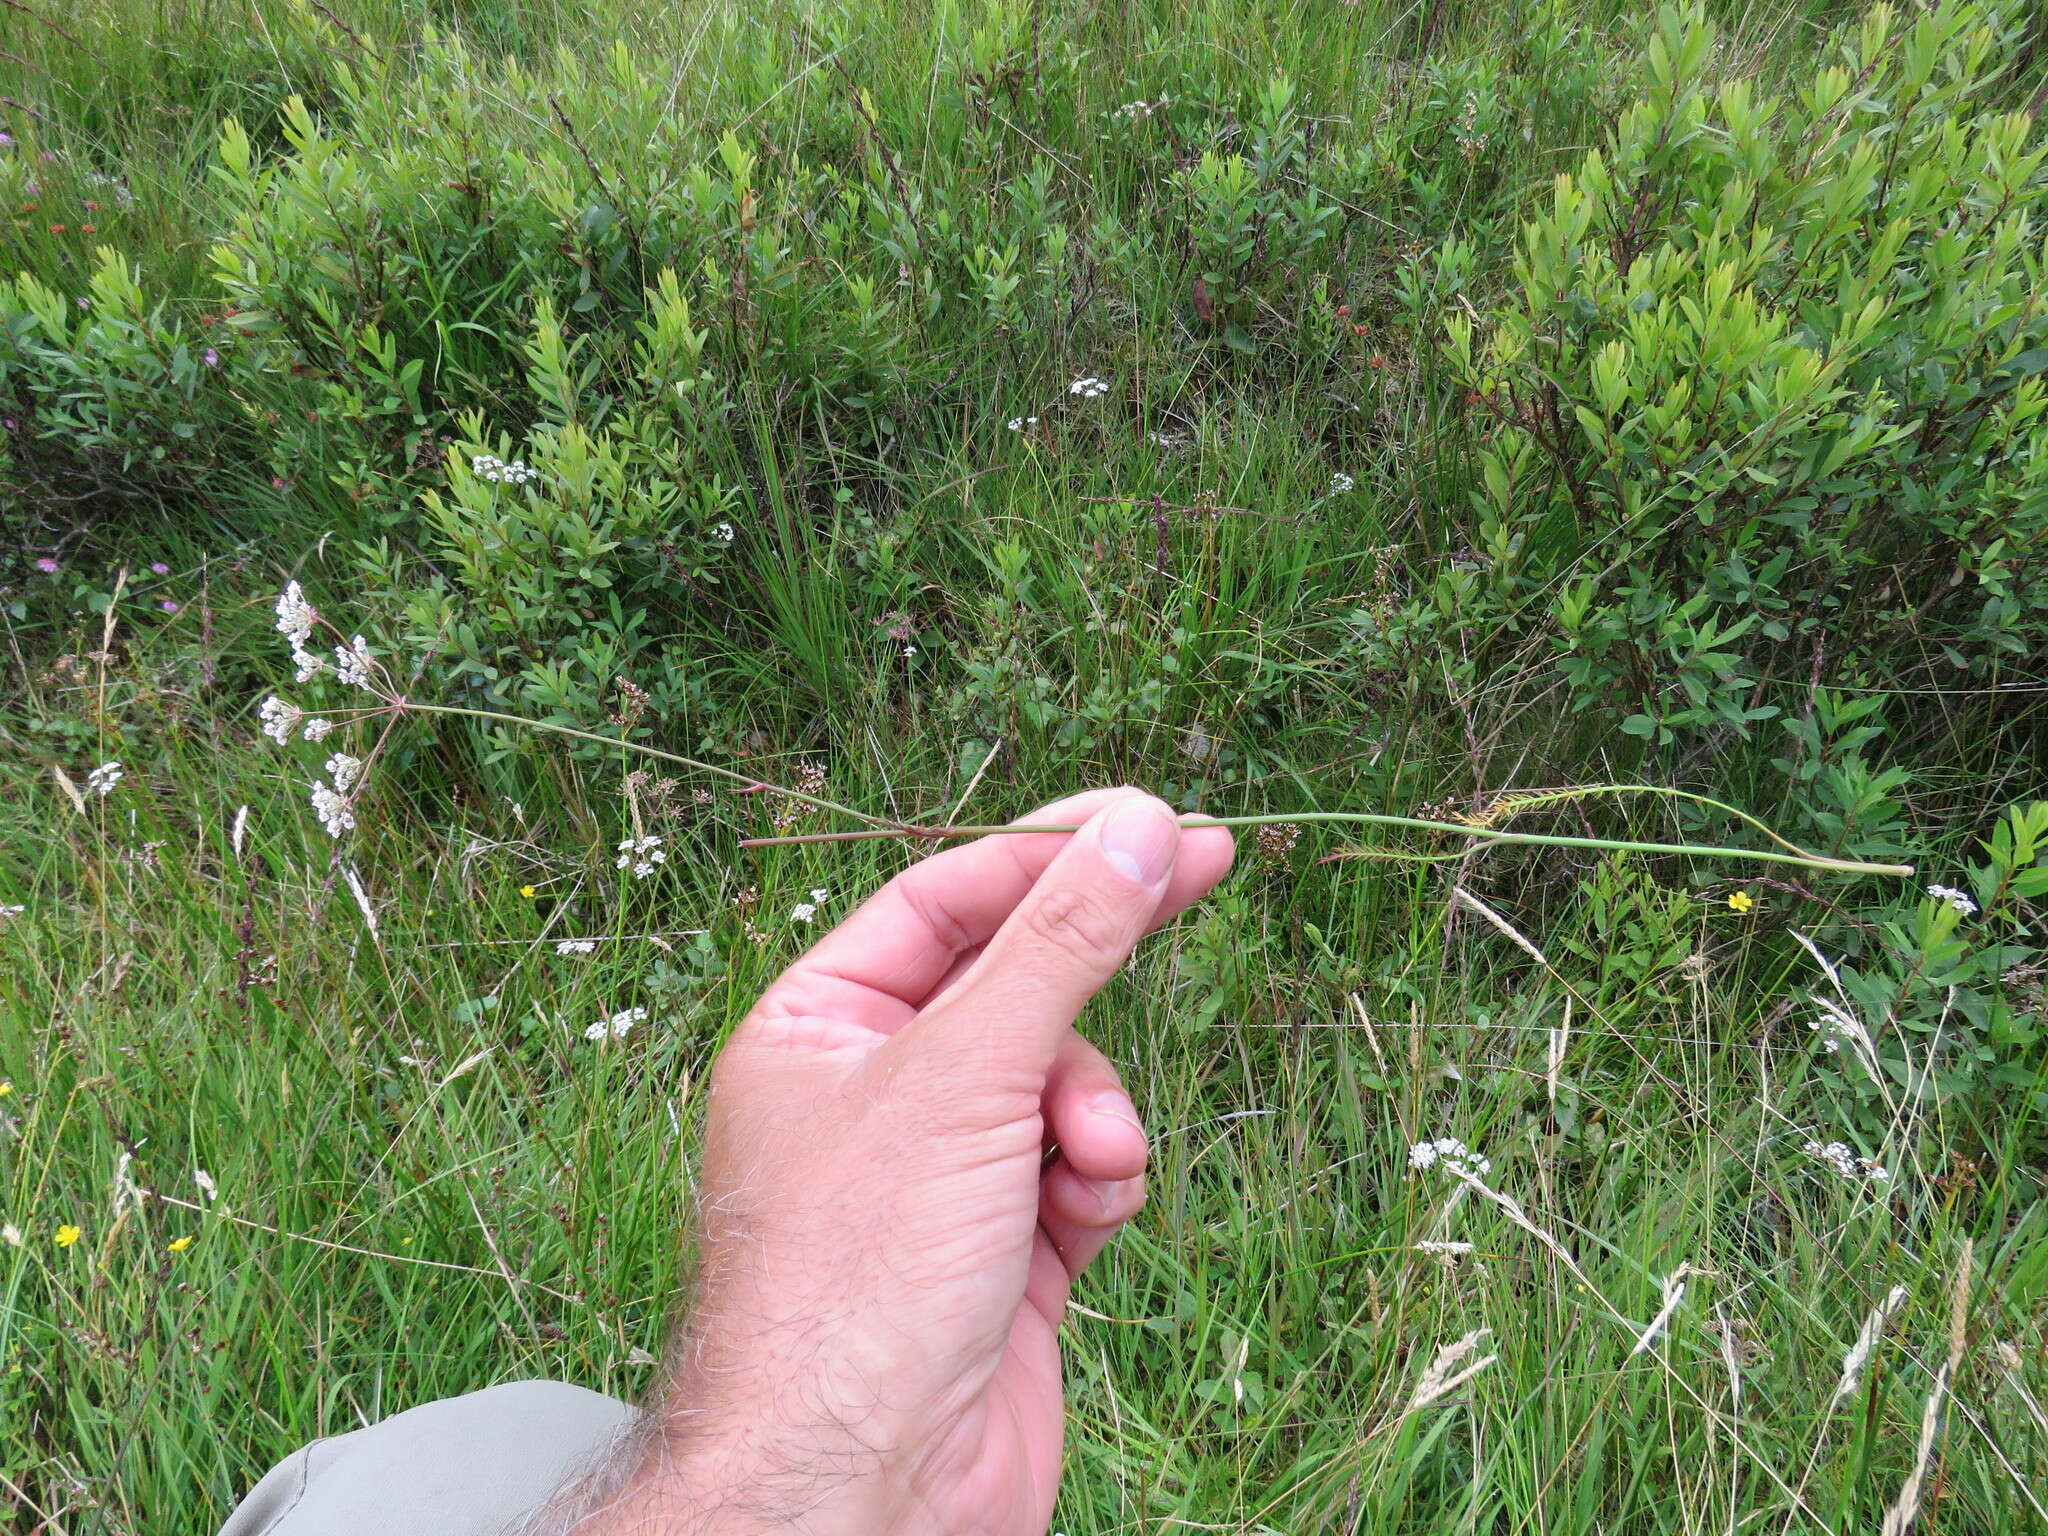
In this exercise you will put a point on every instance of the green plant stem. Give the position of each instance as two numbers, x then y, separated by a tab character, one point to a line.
878	827
884	827
1285	818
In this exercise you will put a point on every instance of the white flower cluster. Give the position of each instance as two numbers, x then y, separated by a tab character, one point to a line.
1089	388
803	912
101	780
1019	423
352	664
331	801
576	946
724	533
1138	111
279	718
295	619
616	1026
1452	1153
1959	900
1837	1025
1341	482
1444	1250
1846	1163
640	854
488	466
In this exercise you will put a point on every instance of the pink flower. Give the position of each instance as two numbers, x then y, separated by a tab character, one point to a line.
210	357
169	605
48	566
159	567
84	303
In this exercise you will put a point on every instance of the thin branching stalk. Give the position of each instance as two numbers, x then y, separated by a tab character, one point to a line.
879	827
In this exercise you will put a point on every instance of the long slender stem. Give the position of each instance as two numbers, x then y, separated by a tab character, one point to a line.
884	827
879	827
1485	834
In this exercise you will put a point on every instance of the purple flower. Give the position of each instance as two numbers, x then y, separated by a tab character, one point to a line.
9	423
168	604
210	357
48	566
159	567
6	137
84	302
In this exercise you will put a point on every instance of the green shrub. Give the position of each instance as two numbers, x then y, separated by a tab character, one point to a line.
1768	400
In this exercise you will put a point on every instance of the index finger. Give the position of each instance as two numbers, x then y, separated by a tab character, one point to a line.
879	966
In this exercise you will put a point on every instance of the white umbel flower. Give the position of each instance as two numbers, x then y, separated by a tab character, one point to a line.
308	664
101	780
1452	1154
1959	900
617	1026
1846	1163
295	616
724	533
279	718
640	855
576	946
344	770
1088	388
352	664
317	729
332	809
488	466
803	912
1341	482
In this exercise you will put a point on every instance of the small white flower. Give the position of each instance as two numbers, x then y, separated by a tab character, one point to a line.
7	912
204	1180
344	770
295	616
640	855
1846	1163
101	780
1341	482
1836	1024
1019	423
317	729
617	1025
820	895
803	912
332	809
1088	388
1959	900
278	718
724	533
10	1234
910	653
352	664
309	664
1452	1153
576	946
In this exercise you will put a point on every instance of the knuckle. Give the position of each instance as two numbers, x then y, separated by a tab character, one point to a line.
1080	924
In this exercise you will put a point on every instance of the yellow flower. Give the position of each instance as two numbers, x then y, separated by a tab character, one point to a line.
1741	901
67	1235
6	1087
527	891
179	1244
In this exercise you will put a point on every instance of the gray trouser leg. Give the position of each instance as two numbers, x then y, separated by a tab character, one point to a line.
464	1466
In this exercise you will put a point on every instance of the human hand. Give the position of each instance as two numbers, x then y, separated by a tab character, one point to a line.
886	1247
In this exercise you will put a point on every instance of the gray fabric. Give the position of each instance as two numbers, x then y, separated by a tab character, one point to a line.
464	1466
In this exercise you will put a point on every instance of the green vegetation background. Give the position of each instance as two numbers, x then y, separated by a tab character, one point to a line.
1497	398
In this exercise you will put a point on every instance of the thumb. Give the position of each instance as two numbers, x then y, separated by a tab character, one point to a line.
1005	1016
